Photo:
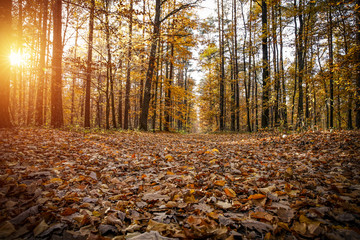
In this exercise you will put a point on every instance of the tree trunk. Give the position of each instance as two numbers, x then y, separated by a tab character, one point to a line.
109	71
168	99
265	67
40	92
301	65
159	65
236	72
5	43
75	76
247	83
20	70
331	72
274	24
357	61
222	67
89	66
282	71
128	71
150	71
57	119
120	105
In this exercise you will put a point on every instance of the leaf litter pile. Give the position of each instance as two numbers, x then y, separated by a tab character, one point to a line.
66	185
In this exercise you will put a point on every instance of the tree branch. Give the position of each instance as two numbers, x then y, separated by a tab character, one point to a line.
178	10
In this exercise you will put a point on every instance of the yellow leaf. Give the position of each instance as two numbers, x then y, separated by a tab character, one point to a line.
215	150
96	214
213	215
56	180
170	173
190	199
289	171
229	192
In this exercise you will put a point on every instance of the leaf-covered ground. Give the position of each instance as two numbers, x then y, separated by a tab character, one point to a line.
66	185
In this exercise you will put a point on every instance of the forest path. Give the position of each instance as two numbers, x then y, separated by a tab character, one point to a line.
64	184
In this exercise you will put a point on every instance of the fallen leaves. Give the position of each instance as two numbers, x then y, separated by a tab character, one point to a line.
138	185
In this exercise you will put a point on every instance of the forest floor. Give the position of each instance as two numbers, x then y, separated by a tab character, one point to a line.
69	185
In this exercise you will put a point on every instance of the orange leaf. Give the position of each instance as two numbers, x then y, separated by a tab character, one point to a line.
280	193
229	192
256	196
220	183
170	173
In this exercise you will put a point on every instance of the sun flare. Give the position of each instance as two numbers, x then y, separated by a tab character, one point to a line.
15	59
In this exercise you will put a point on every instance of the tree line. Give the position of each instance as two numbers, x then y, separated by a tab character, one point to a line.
99	63
127	64
289	64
